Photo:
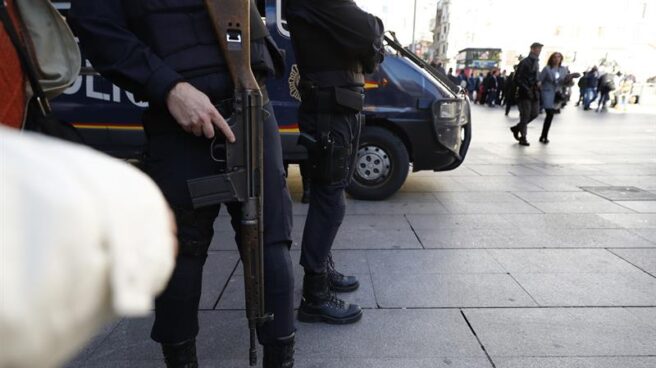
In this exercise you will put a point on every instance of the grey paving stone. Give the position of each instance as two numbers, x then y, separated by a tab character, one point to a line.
563	332
406	197
446	362
581	207
216	272
475	221
79	360
648	234
511	170
530	238
556	197
560	261
431	184
643	258
565	170
129	341
633	221
587	362
597	238
590	289
381	239
474	238
562	183
398	334
630	169
647	182
375	222
465	261
448	290
464	207
622	193
366	208
639	206
559	221
478	197
223	240
496	184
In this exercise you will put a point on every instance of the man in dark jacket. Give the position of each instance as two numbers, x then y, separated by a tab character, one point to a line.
583	81
528	100
166	53
491	87
591	84
335	43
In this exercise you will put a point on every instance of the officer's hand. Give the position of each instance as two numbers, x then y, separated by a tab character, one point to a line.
193	110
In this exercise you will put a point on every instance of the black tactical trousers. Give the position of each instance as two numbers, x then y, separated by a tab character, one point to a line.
327	201
173	158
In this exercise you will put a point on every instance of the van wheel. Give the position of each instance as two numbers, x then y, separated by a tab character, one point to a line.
381	165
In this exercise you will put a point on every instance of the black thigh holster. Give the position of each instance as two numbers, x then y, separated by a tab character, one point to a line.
331	151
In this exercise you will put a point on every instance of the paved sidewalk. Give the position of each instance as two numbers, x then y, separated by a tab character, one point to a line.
505	262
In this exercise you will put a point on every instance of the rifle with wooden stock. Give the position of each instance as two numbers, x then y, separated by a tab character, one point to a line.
242	180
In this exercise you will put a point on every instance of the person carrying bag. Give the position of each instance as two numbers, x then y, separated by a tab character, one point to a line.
42	59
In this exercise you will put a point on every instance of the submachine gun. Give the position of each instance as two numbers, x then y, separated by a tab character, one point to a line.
242	180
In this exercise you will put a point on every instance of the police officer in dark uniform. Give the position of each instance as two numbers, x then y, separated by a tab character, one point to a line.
166	53
335	43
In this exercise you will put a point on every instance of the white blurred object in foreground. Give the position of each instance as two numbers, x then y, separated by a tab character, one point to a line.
83	238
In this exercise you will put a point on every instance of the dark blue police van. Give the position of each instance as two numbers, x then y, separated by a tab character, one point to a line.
415	117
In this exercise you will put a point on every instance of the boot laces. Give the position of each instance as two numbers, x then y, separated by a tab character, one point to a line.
332	271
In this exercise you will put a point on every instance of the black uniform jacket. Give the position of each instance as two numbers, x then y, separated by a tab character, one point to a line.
334	35
147	46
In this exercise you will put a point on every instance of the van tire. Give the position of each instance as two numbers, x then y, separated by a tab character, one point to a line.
381	167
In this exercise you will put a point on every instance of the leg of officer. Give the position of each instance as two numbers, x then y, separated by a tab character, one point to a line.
172	159
325	215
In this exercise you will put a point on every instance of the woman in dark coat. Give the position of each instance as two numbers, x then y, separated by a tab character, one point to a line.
552	81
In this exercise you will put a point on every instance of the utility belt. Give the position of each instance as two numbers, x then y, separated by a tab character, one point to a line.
331	99
332	152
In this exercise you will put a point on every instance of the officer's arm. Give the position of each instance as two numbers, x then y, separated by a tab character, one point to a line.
117	53
354	29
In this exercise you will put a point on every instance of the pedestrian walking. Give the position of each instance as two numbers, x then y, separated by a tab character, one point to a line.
605	87
552	84
491	88
582	85
471	85
502	78
590	92
528	100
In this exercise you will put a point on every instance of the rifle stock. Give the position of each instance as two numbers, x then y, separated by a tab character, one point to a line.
243	179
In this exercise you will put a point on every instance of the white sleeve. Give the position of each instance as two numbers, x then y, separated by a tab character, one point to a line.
83	238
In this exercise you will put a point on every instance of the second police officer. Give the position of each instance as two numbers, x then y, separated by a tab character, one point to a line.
336	43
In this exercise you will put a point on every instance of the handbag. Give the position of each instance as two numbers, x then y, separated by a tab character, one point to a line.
51	62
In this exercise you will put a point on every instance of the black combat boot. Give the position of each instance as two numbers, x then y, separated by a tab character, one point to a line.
279	354
182	355
339	282
319	303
